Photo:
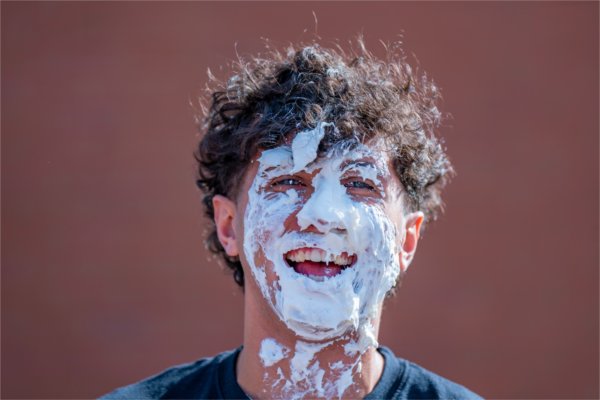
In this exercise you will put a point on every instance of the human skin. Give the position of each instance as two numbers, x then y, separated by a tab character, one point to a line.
260	320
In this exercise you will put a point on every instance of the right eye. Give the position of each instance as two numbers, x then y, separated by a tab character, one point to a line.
287	182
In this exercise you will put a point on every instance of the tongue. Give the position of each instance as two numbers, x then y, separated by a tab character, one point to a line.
317	268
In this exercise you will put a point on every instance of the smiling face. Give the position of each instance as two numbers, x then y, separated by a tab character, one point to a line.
325	239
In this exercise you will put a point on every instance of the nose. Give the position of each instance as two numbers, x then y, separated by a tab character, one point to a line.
322	227
323	212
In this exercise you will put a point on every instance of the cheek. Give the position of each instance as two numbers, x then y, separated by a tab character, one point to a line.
368	231
380	234
265	221
396	219
269	215
277	210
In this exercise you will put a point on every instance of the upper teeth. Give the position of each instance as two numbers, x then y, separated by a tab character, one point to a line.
318	255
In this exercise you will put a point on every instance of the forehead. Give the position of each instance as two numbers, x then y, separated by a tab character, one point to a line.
341	157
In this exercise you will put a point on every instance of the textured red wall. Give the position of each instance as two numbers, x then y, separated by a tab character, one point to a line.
104	275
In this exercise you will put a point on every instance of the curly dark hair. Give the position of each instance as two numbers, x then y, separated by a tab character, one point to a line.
272	95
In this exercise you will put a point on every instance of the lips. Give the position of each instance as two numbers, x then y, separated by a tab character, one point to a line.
316	262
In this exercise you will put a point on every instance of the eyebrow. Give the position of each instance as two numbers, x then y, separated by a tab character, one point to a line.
357	163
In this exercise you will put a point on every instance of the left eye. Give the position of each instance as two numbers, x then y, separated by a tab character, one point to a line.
359	185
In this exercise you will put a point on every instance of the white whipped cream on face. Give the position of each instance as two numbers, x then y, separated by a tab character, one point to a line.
305	145
347	302
327	309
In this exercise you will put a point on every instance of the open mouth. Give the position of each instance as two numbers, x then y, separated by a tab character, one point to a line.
316	262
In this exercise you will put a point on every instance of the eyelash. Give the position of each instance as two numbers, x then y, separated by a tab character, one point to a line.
359	185
288	182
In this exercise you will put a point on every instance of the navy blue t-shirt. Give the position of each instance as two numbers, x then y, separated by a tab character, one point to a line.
214	378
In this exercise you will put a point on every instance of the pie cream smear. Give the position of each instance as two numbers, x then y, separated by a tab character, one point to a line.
353	234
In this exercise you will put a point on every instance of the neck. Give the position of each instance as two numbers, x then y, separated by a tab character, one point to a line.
276	363
307	370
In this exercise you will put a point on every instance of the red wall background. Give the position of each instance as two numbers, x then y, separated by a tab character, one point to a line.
104	275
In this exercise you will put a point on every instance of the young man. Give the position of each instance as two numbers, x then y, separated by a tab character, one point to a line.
319	170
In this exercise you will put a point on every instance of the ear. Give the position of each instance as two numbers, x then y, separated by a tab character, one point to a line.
225	211
412	229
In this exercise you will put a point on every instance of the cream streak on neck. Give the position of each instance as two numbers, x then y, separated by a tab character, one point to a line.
318	370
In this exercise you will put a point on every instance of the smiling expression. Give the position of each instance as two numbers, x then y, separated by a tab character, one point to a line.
322	240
